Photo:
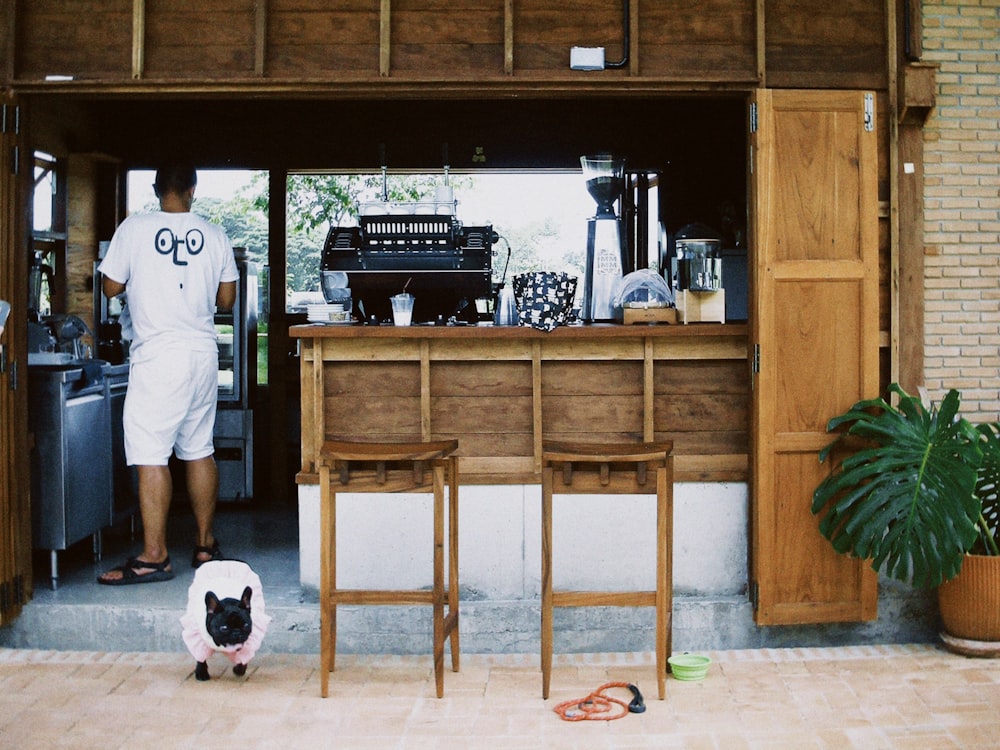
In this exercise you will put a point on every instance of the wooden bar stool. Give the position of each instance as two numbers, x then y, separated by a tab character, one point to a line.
390	467
617	469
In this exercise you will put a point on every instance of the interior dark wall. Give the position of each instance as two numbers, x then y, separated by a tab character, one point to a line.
699	144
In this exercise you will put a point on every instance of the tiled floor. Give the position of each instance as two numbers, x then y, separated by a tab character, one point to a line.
856	697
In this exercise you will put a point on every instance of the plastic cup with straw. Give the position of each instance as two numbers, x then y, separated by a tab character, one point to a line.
402	306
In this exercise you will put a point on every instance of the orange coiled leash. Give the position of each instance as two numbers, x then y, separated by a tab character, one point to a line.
601	707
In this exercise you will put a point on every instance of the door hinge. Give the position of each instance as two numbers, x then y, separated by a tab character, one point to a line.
754	366
10	122
753	117
3	358
755	595
13	375
869	112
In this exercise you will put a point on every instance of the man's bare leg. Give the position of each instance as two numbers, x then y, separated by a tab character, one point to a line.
155	492
203	489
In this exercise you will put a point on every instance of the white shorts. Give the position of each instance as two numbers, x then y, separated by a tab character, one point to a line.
170	407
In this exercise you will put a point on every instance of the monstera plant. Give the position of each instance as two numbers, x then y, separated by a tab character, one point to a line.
917	489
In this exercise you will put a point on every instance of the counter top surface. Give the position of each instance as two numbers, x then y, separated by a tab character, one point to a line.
593	330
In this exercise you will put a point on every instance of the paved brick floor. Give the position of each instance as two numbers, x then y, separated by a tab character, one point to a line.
854	697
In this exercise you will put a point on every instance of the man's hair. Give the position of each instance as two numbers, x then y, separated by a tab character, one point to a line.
174	177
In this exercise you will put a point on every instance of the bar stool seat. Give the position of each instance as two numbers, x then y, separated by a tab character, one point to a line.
421	467
610	468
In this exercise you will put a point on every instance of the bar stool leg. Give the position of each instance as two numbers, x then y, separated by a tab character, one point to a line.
453	589
328	574
438	614
663	579
546	580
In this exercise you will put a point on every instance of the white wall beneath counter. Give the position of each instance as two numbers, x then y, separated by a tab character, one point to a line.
499	562
599	541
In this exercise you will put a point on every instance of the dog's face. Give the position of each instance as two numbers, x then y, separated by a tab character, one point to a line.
228	620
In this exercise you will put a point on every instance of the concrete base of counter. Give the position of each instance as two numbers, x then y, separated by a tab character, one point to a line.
84	616
488	627
501	567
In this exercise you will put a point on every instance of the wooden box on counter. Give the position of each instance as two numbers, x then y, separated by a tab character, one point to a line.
640	315
701	307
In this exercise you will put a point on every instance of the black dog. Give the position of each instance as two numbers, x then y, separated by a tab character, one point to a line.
228	622
225	614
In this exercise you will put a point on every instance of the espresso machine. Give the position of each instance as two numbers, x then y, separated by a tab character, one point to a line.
606	252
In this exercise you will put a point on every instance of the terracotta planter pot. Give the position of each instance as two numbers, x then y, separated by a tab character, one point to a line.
970	602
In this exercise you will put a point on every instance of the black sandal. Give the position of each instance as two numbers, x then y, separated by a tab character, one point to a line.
129	575
214	551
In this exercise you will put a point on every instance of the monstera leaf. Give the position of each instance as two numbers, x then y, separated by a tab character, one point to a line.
988	491
906	499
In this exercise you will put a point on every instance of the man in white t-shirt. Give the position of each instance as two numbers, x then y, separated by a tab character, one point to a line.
175	269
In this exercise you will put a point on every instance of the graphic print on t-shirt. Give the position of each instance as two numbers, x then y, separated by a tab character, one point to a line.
168	243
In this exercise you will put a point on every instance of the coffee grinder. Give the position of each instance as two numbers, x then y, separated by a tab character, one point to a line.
604	175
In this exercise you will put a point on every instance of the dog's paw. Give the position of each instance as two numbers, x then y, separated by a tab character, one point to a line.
239	669
201	672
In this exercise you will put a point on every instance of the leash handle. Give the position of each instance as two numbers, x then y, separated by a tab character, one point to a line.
637	705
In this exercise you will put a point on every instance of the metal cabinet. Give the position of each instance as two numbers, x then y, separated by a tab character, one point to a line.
71	477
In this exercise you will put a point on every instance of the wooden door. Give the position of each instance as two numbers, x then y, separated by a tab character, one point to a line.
15	510
814	336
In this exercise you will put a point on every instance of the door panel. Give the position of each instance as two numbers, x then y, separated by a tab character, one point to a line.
815	332
15	509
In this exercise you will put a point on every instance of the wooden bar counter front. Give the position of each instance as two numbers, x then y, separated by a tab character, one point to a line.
501	391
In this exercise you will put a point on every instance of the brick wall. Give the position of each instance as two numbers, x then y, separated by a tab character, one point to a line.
962	205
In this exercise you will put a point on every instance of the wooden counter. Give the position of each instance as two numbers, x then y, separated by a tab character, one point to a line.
502	390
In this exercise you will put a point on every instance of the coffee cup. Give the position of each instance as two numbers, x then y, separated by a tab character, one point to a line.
402	309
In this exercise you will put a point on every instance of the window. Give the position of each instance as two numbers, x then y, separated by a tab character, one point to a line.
541	217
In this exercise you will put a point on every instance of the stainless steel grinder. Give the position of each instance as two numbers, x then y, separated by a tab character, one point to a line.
606	260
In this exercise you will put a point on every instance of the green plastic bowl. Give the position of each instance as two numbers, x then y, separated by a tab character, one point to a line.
689	667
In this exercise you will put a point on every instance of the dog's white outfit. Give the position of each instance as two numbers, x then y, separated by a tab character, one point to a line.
225	578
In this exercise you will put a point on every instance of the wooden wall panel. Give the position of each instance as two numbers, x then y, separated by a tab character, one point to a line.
471	379
199	38
82	38
447	38
544	31
810	44
81	246
307	38
499	406
807	44
704	407
714	39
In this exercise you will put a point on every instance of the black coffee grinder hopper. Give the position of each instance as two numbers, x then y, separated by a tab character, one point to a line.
604	175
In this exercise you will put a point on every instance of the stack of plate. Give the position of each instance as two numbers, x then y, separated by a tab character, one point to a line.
336	312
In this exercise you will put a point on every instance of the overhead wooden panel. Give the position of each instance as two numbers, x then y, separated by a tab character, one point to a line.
317	38
81	38
451	39
818	44
708	39
544	31
205	39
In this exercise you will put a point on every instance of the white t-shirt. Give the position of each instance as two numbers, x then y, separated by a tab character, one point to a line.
171	265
